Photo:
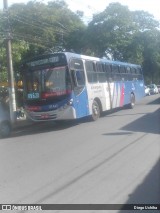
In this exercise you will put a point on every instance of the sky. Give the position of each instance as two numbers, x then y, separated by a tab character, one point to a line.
90	7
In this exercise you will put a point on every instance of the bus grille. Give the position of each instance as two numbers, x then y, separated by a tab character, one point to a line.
44	117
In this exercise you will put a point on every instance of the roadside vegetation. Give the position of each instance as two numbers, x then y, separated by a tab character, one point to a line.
116	33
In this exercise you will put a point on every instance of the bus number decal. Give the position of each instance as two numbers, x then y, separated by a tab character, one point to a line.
34	95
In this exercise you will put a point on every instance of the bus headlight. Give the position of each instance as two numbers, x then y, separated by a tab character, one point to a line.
63	107
69	103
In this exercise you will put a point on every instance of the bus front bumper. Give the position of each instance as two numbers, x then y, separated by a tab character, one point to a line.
68	113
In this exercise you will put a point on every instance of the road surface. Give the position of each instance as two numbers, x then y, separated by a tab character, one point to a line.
115	160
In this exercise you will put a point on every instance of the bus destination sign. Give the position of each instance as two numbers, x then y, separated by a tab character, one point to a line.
44	61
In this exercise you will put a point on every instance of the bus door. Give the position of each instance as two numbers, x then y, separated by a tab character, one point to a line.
104	92
80	93
109	87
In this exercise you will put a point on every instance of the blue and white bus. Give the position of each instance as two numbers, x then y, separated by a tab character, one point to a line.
63	86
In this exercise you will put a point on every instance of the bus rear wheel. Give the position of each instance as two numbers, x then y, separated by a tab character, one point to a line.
95	111
132	103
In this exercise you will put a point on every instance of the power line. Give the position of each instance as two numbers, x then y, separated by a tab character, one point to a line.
35	43
38	38
24	22
38	24
56	32
32	39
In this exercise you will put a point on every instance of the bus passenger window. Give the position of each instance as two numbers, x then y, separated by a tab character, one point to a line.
139	74
80	78
108	72
115	73
133	73
91	72
123	73
77	68
129	76
101	74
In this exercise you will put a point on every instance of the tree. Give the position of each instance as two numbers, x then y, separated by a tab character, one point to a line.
111	31
151	55
120	34
146	45
37	27
116	33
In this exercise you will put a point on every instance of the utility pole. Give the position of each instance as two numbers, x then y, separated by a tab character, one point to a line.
11	86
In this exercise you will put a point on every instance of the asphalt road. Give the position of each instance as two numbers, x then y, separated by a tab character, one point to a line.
115	160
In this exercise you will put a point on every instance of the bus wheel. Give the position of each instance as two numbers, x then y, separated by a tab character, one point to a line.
95	111
132	104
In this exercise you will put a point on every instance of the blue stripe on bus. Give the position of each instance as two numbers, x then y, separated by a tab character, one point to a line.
80	103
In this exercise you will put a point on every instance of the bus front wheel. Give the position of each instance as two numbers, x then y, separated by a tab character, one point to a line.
95	111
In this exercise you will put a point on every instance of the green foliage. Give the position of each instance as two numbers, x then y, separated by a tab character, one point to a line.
111	30
36	28
116	33
44	26
120	34
151	55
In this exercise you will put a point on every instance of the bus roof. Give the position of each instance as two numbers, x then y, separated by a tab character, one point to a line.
80	56
73	55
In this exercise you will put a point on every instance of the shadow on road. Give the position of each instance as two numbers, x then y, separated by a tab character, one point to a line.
42	127
149	123
157	101
149	191
145	124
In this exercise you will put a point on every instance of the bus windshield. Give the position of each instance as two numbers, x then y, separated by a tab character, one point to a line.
47	83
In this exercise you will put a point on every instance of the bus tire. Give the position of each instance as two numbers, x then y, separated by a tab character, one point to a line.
95	111
132	103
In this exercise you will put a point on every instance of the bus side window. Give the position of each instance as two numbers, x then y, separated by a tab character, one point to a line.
108	72
77	72
134	74
102	77
80	79
128	74
123	73
115	73
91	72
139	73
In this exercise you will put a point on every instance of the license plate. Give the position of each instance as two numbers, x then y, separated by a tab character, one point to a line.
45	116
